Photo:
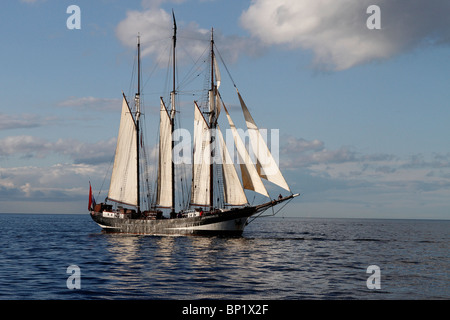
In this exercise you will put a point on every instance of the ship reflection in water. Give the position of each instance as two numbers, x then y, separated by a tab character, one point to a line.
187	267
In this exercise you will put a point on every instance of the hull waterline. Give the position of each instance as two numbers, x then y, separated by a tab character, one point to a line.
230	222
219	222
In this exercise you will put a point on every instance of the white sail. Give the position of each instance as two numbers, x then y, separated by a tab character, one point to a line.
233	192
212	106
201	165
218	105
268	168
123	186
217	72
164	190
250	177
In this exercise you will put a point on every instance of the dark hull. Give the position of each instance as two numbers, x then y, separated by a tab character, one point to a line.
226	222
231	222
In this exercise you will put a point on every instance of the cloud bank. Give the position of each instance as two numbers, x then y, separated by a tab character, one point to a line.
343	177
26	146
336	31
50	187
344	180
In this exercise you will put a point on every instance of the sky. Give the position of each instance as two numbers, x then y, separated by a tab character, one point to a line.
363	113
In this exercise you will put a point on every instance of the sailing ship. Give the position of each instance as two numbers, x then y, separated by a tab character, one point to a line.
222	209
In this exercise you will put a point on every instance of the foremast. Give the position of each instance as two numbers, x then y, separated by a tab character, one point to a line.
125	177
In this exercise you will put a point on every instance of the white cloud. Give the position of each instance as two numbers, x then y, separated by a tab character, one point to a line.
26	146
300	152
47	184
336	31
22	121
86	153
92	103
326	177
155	27
152	4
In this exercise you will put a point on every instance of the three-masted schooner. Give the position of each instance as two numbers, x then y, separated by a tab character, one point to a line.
203	214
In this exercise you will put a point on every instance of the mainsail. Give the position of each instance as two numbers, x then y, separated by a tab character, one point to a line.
124	179
164	186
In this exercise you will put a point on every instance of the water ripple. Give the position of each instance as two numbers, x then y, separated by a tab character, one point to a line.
275	259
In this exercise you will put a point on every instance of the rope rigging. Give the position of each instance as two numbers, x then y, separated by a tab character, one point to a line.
201	66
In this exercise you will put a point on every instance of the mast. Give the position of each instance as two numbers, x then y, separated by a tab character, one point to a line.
212	124
174	39
138	114
172	113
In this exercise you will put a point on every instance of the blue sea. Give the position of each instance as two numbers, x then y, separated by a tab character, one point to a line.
67	257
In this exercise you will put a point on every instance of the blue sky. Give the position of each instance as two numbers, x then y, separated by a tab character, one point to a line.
363	114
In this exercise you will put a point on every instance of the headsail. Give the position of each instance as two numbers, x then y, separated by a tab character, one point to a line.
250	177
268	168
164	188
124	180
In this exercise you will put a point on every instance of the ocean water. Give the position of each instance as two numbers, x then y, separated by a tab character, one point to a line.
275	259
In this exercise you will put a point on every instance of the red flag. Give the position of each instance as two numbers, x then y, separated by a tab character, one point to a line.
90	197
